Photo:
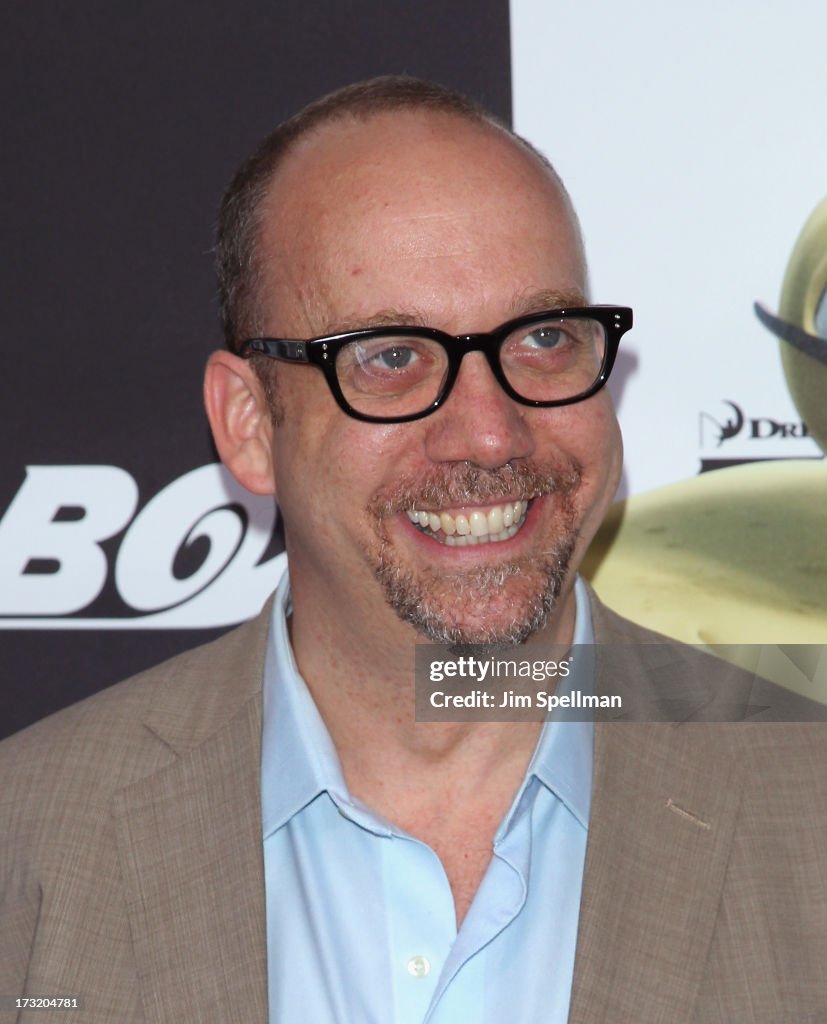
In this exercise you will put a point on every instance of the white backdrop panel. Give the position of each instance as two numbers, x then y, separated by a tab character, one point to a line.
692	141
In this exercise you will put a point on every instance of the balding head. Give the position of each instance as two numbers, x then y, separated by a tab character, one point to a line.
243	207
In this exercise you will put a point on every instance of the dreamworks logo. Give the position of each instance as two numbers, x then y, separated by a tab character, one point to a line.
52	564
715	430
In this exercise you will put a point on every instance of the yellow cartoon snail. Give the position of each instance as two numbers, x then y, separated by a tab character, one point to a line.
801	324
739	556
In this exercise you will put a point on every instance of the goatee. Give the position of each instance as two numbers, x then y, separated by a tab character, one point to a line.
467	607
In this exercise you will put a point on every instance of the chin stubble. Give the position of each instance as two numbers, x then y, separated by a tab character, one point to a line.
429	602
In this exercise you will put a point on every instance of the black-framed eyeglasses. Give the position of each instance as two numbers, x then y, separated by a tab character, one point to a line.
396	374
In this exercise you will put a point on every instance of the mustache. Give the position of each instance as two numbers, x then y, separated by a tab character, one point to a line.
464	483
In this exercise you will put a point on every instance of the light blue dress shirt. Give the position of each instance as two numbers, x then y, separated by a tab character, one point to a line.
360	918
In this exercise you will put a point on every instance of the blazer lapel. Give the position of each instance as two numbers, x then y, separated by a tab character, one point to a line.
665	800
191	849
190	840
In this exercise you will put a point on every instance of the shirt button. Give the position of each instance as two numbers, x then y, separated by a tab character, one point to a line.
418	966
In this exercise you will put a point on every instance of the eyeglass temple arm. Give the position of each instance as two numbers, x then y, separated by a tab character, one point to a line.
288	351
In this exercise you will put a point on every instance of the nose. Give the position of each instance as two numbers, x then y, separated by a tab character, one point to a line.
479	423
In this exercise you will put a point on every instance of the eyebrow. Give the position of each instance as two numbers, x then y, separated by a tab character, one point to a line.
384	318
523	305
548	298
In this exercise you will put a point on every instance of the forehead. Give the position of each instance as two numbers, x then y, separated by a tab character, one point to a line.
412	212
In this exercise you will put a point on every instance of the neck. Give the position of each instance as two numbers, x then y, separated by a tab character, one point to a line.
358	663
449	784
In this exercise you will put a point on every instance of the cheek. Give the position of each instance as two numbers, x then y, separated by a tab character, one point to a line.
585	429
589	433
604	432
322	455
601	456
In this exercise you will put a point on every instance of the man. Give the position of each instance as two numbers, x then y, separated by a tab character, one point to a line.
176	853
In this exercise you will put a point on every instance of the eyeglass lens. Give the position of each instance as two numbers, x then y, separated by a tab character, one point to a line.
401	376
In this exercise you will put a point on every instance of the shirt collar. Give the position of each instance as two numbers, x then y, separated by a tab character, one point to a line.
562	760
299	761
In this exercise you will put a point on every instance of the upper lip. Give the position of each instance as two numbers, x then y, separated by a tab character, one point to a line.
471	506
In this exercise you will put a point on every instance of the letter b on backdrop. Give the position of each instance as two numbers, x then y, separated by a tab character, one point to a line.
51	562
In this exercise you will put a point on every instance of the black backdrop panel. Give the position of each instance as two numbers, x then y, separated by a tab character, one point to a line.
122	125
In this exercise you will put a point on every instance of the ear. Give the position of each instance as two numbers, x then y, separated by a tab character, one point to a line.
240	420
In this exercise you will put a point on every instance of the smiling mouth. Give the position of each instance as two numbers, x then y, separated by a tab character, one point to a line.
498	523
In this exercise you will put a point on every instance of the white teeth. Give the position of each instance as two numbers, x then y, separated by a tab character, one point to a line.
478	521
476	527
489	538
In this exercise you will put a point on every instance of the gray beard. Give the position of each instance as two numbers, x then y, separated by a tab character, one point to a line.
413	599
426	600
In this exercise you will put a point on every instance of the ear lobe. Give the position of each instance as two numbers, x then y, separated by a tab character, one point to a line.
240	420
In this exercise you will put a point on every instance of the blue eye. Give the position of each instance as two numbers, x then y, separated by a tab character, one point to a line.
395	358
545	337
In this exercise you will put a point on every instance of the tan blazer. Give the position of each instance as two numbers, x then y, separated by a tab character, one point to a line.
131	866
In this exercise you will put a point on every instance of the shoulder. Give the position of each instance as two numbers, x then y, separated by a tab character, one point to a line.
70	764
611	628
64	784
715	717
741	671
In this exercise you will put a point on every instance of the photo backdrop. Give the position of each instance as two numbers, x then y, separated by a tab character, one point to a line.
691	143
120	542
